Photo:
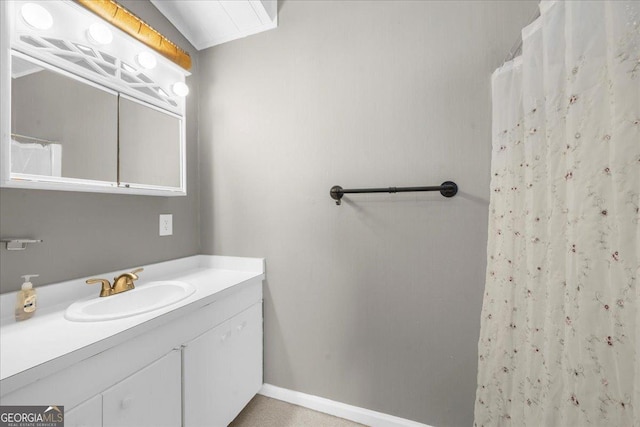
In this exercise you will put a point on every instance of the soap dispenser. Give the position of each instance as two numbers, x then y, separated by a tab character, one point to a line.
26	301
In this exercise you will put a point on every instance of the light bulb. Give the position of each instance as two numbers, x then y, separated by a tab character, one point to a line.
36	16
99	34
180	89
146	60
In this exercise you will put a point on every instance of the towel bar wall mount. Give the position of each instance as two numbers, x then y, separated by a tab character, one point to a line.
447	189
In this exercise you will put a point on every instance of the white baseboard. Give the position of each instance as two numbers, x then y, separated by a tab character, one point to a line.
337	409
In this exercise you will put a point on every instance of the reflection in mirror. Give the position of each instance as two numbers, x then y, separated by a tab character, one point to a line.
150	145
60	126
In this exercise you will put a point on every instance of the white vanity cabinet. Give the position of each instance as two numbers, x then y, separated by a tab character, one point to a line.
223	370
149	398
196	369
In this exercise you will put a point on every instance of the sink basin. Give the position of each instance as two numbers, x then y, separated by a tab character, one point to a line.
142	299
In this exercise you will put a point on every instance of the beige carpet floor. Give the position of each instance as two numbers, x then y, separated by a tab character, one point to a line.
266	412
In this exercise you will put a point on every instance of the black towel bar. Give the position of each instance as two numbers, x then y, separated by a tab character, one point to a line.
447	189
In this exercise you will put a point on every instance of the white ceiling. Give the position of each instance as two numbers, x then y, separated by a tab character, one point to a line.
206	23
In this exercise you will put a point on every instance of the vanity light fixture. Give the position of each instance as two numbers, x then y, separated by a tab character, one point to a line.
146	60
180	89
36	16
99	34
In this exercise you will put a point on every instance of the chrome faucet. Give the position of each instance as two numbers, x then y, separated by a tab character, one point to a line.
122	283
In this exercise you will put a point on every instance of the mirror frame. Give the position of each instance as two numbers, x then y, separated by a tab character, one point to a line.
24	181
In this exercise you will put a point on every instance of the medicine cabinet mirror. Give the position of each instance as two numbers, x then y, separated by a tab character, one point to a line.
149	149
84	116
61	127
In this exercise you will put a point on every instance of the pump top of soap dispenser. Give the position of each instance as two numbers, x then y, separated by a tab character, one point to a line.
27	281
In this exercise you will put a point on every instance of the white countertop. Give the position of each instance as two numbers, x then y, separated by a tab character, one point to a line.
50	341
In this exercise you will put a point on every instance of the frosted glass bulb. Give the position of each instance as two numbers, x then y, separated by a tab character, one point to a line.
99	34
36	16
146	60
180	89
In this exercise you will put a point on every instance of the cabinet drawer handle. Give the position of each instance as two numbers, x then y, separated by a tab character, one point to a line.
242	326
126	402
225	336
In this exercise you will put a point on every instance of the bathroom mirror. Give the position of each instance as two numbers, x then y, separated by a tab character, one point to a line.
62	126
70	131
150	149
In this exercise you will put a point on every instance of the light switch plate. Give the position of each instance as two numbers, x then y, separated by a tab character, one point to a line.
166	224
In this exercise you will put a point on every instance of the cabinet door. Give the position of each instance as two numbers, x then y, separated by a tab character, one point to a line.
151	397
223	370
86	414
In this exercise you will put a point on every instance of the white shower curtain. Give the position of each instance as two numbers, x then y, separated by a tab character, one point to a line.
560	335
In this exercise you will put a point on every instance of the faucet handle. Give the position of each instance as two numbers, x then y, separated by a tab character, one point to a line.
104	282
106	286
137	270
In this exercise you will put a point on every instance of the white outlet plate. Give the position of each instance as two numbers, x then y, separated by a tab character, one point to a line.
166	224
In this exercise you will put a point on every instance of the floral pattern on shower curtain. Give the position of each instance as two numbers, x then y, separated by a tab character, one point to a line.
560	329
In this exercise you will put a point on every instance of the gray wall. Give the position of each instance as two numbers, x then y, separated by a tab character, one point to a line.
375	303
85	233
